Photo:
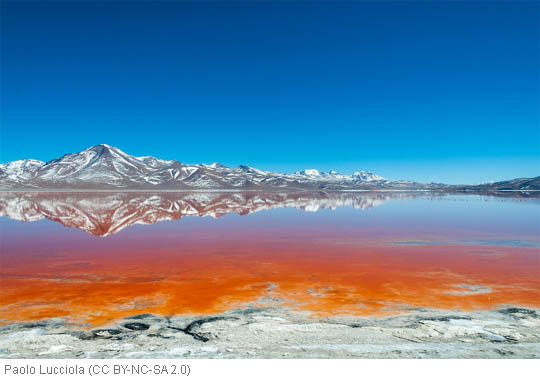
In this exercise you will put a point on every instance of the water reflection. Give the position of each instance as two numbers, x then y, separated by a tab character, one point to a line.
104	214
423	251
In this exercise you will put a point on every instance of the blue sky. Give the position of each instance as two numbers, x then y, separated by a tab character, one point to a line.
440	91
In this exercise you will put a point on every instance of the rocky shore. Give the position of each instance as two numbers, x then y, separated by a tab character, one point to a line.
509	332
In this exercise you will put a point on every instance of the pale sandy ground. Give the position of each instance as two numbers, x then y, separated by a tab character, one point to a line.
509	332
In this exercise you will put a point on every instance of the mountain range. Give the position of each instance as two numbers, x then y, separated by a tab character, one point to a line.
103	167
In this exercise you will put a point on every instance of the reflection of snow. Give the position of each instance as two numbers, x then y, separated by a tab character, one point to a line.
312	208
105	214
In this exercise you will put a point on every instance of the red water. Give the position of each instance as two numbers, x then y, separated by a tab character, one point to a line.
328	268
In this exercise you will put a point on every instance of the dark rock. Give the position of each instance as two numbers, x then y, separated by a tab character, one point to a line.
159	336
503	352
106	332
141	316
518	310
98	334
249	311
511	339
203	337
445	318
33	325
137	326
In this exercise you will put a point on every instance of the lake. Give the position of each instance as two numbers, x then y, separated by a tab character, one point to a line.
94	258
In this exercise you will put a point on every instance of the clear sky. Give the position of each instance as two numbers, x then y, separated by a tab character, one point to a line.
429	91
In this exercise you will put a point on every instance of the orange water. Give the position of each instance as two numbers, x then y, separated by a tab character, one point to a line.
327	267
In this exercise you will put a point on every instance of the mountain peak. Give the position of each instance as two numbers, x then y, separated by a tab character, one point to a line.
103	147
106	167
103	166
99	146
367	176
310	172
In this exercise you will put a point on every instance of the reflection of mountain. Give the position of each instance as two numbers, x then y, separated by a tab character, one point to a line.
105	214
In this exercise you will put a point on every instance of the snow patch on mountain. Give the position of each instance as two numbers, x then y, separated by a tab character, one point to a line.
104	167
21	169
367	176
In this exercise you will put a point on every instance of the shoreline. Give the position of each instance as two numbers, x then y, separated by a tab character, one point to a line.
443	191
507	332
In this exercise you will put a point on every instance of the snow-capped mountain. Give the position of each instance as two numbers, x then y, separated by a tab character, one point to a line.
20	170
367	176
103	214
107	167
